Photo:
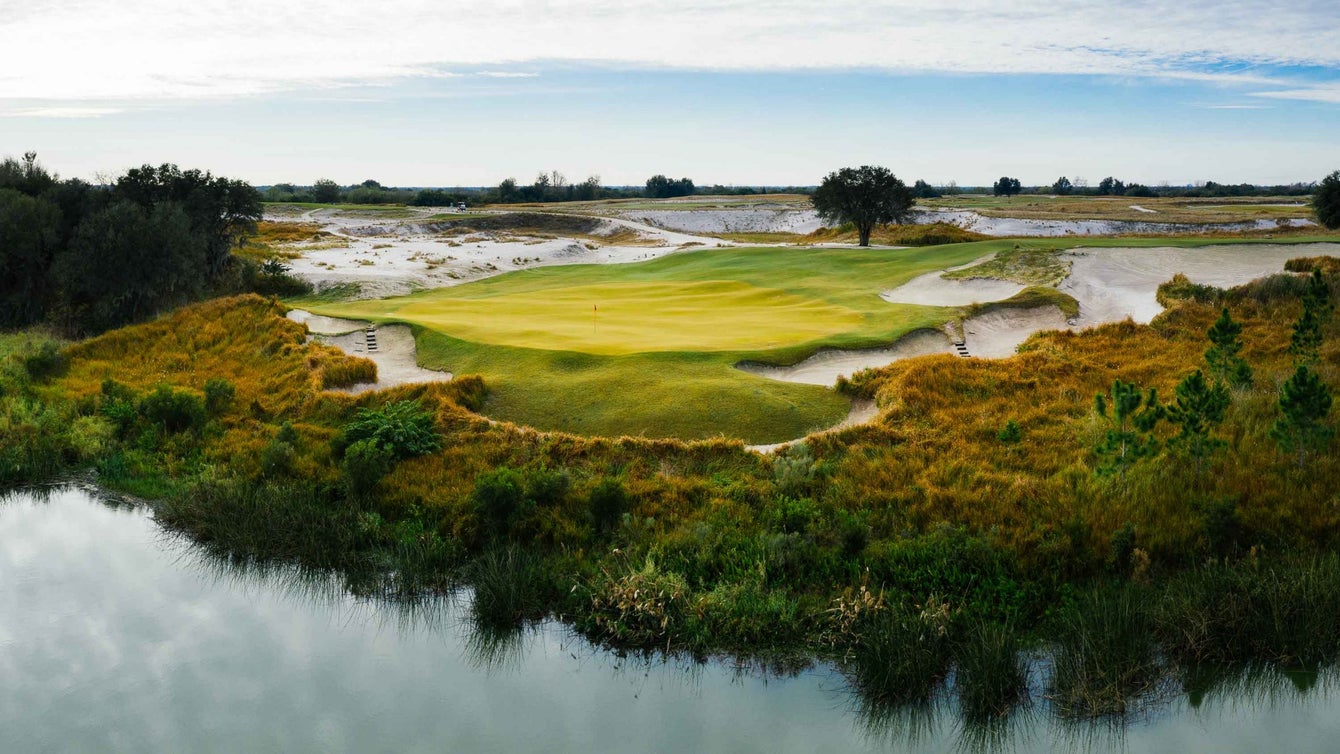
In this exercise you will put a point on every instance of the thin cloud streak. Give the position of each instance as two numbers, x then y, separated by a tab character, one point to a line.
163	49
61	112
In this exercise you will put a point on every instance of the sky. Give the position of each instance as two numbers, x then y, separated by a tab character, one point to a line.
765	92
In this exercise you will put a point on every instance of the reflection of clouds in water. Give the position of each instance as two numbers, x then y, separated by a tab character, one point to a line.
114	636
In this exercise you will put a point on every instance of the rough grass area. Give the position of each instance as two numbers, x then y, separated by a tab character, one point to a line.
929	234
1165	210
1022	265
1031	297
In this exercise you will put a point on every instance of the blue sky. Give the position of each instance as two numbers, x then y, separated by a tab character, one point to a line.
414	93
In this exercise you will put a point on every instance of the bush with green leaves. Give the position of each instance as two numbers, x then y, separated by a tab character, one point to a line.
404	428
365	463
47	361
609	501
219	396
498	496
173	410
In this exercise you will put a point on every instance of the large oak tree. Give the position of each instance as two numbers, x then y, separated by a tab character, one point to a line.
865	197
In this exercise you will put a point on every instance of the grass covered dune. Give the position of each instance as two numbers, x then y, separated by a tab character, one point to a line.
982	511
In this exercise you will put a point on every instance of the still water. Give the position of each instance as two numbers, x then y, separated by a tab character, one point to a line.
118	637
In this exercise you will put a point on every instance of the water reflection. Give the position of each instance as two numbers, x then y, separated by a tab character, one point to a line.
117	636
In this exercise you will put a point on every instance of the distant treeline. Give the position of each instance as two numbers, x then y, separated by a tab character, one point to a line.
88	258
1110	186
547	187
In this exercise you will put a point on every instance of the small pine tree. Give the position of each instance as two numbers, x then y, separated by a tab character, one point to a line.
1305	402
1199	408
1317	298
1222	356
1129	436
1305	342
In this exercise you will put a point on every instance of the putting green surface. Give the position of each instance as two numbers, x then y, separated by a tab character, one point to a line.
659	357
633	317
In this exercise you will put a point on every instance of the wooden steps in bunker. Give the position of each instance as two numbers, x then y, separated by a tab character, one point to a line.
961	350
371	335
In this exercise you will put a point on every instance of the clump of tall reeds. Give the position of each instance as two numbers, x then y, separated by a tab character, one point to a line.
1106	657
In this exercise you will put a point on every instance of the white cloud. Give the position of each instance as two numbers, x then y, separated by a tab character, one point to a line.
59	112
219	48
1330	94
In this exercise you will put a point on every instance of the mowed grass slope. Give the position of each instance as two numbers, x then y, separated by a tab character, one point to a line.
650	348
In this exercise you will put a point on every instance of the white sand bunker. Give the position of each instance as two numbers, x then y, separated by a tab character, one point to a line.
395	354
933	290
825	366
999	334
1113	284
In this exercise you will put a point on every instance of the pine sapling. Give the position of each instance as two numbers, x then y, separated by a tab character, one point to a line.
1226	365
1305	402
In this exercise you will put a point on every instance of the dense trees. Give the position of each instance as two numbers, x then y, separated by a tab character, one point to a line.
660	187
90	258
1063	186
923	190
1007	186
865	197
325	191
1326	201
1110	186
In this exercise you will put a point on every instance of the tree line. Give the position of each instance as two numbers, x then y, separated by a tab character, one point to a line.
88	258
550	186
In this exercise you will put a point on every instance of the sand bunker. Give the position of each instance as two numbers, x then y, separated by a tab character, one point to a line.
745	220
933	290
1109	284
999	334
825	366
395	356
394	255
1013	226
1113	284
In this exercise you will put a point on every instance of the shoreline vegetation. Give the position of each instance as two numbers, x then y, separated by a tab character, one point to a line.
1149	504
946	535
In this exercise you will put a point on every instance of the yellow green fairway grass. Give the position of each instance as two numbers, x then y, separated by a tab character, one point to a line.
658	357
629	317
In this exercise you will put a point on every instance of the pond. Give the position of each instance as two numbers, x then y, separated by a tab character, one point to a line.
116	636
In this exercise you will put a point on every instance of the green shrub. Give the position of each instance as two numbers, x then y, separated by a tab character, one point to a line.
548	487
219	395
172	410
46	362
498	496
609	501
402	427
277	459
365	463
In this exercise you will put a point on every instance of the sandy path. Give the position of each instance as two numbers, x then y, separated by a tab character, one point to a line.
395	357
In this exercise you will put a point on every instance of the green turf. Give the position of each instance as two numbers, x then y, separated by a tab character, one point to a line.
659	358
